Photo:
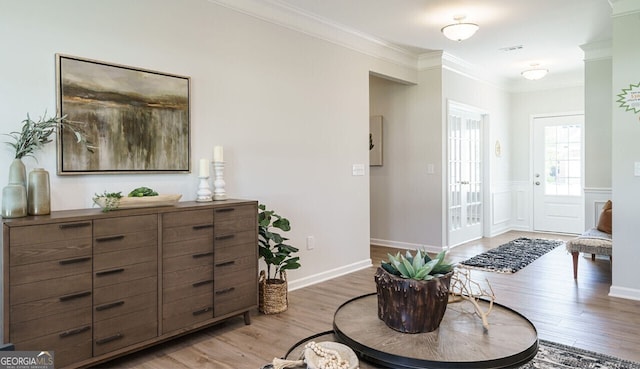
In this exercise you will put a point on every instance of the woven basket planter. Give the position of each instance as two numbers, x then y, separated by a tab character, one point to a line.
411	306
272	294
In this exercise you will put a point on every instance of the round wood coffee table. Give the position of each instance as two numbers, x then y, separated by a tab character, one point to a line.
460	342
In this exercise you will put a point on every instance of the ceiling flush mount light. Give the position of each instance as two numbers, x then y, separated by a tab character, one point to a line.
535	72
459	31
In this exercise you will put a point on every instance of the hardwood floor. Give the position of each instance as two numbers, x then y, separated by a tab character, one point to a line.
578	313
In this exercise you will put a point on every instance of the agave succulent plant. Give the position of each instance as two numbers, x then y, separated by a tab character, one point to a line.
418	267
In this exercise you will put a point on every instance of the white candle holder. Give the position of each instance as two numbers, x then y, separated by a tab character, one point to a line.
218	183
204	193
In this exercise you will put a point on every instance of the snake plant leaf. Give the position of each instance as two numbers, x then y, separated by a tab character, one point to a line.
410	270
418	261
421	274
404	272
408	256
389	268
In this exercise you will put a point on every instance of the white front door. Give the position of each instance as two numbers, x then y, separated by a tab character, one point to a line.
558	196
464	182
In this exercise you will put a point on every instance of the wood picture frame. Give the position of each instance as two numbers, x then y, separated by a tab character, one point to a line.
138	119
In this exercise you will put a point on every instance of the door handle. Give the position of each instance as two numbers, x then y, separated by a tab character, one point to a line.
537	183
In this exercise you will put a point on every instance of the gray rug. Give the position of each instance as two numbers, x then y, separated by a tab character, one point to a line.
512	256
553	355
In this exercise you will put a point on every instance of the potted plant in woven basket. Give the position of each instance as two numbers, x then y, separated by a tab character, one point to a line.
278	257
413	291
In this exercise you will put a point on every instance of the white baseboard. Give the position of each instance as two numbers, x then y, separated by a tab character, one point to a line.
405	245
625	293
329	274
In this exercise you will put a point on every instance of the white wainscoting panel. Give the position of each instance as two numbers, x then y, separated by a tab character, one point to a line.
594	200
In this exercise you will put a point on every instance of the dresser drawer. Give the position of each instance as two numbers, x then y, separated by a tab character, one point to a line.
198	287
195	230
51	306
241	295
125	273
40	252
124	225
186	312
228	213
225	227
41	326
240	268
188	247
125	241
125	330
114	292
49	233
28	273
125	305
231	252
187	218
192	260
70	346
223	241
186	277
50	288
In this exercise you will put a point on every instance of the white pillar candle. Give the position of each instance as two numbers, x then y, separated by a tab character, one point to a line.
217	154
204	168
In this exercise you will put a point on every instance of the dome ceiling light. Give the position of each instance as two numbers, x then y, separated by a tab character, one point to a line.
459	31
535	73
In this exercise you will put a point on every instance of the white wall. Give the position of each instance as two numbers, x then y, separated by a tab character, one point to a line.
405	207
626	151
290	110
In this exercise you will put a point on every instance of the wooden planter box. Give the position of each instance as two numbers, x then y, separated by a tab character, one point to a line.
411	306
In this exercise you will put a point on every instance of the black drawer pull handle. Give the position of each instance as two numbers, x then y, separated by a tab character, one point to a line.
73	261
225	210
202	311
107	272
75	296
225	237
74	331
74	225
110	238
202	226
109	306
226	290
116	336
226	263
202	283
196	256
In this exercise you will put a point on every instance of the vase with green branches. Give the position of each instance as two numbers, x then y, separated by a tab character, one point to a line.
34	135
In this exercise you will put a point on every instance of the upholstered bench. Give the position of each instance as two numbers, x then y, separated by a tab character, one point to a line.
592	242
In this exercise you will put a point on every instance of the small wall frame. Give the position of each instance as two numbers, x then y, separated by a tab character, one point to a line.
375	140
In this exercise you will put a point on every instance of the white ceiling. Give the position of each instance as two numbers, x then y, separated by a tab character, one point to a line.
549	31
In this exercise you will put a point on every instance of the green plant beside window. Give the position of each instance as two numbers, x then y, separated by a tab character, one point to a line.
276	254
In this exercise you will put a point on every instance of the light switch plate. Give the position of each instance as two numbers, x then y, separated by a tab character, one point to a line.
358	169
636	169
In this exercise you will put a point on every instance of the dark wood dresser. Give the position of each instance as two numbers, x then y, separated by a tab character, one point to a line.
92	286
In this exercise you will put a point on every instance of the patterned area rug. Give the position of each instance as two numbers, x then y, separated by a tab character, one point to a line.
553	355
512	256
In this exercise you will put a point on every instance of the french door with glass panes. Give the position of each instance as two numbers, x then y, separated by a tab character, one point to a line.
465	203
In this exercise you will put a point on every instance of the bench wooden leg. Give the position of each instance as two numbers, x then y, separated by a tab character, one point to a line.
593	257
575	255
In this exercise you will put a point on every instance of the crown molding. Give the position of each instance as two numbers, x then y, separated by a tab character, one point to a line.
276	12
624	7
597	50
